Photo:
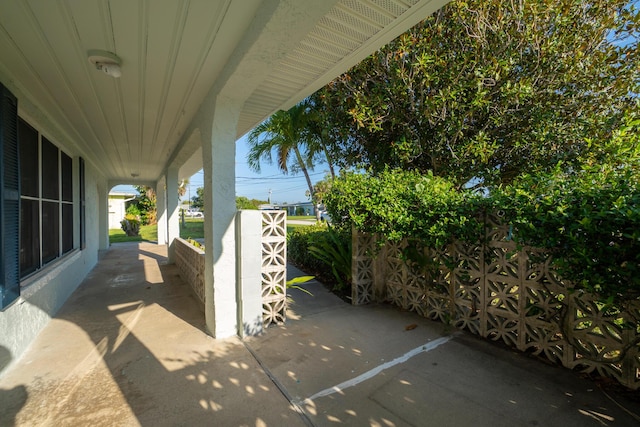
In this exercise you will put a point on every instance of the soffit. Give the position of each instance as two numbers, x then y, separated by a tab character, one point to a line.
173	53
352	30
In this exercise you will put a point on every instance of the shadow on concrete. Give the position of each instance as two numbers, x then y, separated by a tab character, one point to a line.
5	357
344	365
129	346
13	399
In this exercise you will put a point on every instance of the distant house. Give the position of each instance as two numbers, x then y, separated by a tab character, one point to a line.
302	208
268	207
118	207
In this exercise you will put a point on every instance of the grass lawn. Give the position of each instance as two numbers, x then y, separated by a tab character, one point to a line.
291	227
193	228
148	233
309	218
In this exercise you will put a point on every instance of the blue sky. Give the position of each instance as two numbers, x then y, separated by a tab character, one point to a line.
284	188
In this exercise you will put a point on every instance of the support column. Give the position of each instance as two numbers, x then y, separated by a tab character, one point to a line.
248	238
103	217
173	211
161	210
218	157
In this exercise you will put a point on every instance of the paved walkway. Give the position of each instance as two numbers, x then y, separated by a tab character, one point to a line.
128	349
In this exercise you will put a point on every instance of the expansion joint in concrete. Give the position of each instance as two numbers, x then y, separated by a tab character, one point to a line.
281	387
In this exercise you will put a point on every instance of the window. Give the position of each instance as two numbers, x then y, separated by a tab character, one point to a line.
46	200
9	199
83	232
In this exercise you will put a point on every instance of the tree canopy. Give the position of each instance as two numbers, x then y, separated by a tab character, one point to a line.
488	90
144	205
285	133
242	202
197	201
537	101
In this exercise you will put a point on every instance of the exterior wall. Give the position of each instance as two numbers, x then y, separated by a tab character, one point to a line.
43	293
117	208
291	209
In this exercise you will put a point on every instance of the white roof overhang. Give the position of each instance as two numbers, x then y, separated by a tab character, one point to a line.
270	54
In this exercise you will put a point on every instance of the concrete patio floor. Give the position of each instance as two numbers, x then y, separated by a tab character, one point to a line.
129	348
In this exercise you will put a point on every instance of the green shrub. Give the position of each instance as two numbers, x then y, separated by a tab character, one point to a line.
587	218
298	241
334	250
589	222
195	243
301	239
132	211
401	204
130	225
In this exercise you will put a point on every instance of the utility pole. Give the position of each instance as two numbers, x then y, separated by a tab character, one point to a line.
269	196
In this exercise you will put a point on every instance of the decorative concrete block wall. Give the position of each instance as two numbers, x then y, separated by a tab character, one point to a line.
271	267
498	291
274	267
190	263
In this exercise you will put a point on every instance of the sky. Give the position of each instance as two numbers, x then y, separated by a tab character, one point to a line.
284	188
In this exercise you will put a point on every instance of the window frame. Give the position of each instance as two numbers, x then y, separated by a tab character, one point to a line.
55	236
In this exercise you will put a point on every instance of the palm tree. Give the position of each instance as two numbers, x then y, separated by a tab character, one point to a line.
284	133
317	136
183	187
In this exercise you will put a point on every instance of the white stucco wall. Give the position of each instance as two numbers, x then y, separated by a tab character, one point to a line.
117	207
43	293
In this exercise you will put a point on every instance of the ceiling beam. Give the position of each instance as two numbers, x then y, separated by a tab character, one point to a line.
275	31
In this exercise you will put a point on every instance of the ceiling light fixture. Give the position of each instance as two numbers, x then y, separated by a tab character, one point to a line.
106	62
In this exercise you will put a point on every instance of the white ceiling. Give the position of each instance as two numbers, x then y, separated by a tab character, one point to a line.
273	53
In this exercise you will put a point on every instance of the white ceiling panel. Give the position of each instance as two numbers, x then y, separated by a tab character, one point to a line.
172	54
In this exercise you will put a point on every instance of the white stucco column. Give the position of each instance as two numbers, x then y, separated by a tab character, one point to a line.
161	210
173	211
218	158
103	217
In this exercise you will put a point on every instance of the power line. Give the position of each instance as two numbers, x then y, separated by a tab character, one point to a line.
282	177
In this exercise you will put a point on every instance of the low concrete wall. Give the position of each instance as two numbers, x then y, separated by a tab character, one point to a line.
190	262
261	269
